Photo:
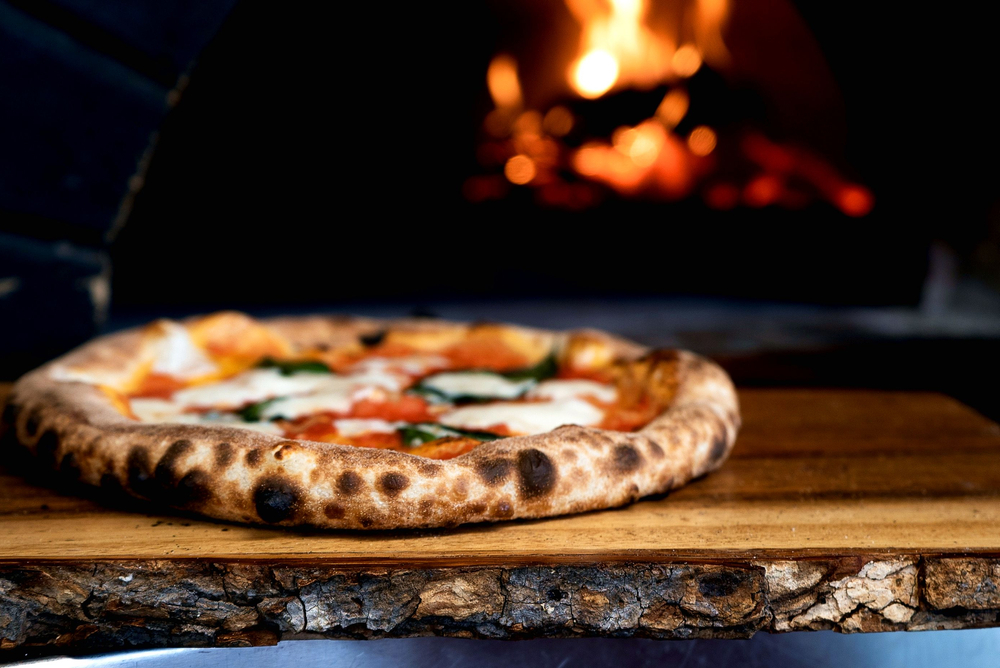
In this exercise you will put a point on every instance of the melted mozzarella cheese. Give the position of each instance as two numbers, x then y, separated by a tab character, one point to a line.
162	410
477	384
411	365
568	389
336	394
526	418
249	387
354	427
177	355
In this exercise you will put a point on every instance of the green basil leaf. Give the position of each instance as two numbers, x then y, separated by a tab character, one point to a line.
255	412
418	434
547	368
287	368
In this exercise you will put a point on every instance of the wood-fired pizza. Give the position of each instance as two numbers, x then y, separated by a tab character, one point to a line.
358	423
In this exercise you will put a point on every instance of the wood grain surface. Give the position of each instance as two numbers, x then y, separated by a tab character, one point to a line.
853	510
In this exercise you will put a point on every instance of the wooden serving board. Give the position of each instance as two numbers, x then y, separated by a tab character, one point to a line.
851	510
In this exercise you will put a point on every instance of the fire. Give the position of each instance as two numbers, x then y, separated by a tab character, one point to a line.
617	47
627	44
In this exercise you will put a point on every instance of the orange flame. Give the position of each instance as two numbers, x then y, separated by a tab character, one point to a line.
618	47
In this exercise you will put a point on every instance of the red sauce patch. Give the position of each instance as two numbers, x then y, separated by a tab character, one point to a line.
485	353
405	408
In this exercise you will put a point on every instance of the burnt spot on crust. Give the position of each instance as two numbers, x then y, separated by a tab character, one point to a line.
166	474
32	423
626	458
373	338
195	488
393	483
478	508
366	521
719	447
224	455
111	484
69	467
494	471
349	483
503	509
138	473
46	449
655	450
276	499
429	468
254	457
536	473
334	511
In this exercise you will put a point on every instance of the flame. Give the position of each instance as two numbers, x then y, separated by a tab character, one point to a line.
619	48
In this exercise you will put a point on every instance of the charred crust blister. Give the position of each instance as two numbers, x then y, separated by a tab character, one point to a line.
334	511
254	457
276	499
69	467
138	474
32	423
720	446
494	471
111	484
46	449
536	473
626	458
349	483
393	482
166	474
224	454
194	488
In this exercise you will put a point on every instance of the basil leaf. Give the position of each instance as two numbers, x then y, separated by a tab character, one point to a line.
547	368
255	412
430	394
418	434
287	367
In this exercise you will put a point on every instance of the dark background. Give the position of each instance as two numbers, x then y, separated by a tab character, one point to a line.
221	154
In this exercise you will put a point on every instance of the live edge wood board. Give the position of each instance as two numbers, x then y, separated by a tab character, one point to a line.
845	510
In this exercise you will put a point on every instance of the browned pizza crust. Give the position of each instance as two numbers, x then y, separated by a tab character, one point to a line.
246	476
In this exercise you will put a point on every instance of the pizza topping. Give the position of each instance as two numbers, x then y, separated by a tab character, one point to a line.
355	427
249	387
178	356
524	418
435	401
161	410
418	434
567	389
473	386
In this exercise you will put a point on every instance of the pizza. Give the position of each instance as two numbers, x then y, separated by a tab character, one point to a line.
358	423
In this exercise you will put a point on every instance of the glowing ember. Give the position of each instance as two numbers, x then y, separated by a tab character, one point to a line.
702	140
686	61
520	170
501	79
673	108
